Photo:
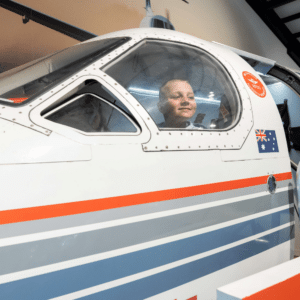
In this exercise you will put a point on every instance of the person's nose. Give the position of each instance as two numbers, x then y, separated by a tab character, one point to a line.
184	100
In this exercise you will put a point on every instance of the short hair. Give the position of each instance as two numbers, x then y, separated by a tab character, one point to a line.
161	89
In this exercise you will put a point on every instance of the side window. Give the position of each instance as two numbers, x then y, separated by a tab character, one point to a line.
181	87
158	23
281	92
91	108
288	104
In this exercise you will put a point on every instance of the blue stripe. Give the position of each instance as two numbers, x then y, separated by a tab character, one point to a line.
77	278
155	284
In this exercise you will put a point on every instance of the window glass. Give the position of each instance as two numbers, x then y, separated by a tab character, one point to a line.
288	103
92	87
179	86
280	92
89	113
22	83
158	23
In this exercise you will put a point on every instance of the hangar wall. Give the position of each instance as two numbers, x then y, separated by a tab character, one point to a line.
230	22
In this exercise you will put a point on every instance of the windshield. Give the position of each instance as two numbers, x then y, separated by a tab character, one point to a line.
22	84
179	86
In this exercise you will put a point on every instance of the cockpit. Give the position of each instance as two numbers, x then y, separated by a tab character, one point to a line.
23	84
180	86
152	64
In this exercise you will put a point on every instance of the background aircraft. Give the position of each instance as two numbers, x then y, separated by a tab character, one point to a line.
155	21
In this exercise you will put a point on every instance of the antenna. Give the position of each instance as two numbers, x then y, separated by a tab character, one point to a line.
149	12
168	18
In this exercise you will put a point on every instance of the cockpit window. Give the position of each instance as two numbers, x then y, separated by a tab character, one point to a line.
161	22
25	82
90	113
158	23
179	86
91	107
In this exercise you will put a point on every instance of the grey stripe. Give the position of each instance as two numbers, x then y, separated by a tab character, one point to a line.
35	254
17	229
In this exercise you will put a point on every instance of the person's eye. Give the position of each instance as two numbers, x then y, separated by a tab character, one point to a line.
191	97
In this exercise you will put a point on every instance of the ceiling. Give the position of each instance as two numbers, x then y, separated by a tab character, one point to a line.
283	18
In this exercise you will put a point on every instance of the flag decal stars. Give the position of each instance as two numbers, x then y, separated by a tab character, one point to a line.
266	141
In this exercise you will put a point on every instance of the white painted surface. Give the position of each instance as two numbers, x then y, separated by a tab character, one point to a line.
119	165
133	169
21	145
260	281
264	60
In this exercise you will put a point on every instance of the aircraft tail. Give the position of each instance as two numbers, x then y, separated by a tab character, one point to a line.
148	4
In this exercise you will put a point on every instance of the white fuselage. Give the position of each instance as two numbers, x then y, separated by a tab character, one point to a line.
161	216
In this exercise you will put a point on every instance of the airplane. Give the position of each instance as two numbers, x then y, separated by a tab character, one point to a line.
155	21
102	199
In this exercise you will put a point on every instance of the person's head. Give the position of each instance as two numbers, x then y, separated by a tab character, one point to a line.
176	102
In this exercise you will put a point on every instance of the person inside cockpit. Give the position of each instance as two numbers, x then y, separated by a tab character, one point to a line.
177	104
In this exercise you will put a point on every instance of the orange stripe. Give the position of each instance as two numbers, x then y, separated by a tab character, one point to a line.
287	289
18	100
283	176
73	208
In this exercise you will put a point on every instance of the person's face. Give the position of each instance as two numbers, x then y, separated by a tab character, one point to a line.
179	103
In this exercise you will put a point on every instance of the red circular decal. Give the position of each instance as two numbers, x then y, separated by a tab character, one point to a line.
254	84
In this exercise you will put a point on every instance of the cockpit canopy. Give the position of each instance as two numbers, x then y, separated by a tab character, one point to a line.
26	82
179	85
153	68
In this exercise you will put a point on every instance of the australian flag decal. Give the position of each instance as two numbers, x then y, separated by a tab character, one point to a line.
266	141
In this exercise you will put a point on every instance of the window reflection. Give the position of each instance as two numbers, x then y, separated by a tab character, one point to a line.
88	113
179	86
25	82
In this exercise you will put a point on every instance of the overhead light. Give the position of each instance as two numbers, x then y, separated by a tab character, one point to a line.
138	90
208	100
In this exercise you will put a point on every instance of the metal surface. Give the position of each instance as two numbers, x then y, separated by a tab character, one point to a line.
294	165
127	223
272	185
259	63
